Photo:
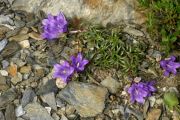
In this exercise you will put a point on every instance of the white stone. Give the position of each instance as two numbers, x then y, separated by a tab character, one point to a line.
24	44
19	111
4	72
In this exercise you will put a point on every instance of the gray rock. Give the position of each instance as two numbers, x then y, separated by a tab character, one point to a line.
10	112
63	117
17	78
133	31
112	84
18	62
49	98
59	102
86	98
66	51
55	116
10	1
20	119
1	116
95	11
5	20
19	111
126	110
19	23
35	111
12	32
49	87
10	49
3	44
28	97
3	85
146	108
7	97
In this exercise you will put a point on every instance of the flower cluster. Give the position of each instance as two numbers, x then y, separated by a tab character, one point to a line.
169	65
139	91
54	26
64	70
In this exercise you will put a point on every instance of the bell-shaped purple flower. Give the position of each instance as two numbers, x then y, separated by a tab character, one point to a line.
63	71
139	91
79	62
170	66
54	26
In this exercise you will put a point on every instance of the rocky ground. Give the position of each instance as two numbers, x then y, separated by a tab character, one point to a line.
28	91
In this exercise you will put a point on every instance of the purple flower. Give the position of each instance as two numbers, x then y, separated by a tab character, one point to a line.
78	62
169	66
54	26
139	91
63	71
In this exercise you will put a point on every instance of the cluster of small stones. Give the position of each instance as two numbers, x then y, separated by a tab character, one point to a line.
28	90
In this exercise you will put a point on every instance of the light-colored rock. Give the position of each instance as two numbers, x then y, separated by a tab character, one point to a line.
69	110
19	111
133	31
3	31
36	112
1	116
112	84
3	85
35	36
55	116
95	11
38	71
28	97
4	72
154	114
63	117
25	69
10	49
17	78
86	98
24	44
49	98
10	112
7	97
5	20
19	37
18	62
3	44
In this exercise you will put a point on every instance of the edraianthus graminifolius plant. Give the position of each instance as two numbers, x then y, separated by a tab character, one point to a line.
54	26
64	70
169	65
141	90
79	62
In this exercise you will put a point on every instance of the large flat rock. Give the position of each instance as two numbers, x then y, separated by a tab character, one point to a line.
94	11
87	99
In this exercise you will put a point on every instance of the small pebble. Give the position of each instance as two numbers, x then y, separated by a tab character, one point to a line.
19	111
48	109
4	72
24	44
3	44
5	64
